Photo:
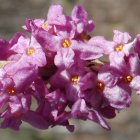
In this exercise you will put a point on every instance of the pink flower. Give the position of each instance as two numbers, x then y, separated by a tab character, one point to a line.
118	48
116	93
131	75
29	50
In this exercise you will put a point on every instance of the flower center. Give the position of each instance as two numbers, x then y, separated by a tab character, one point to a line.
74	79
30	51
119	47
99	85
44	26
65	43
11	91
127	78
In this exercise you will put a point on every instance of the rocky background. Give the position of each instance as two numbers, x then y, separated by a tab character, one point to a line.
123	15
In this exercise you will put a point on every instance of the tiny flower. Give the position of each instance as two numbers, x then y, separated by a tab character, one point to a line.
116	93
131	75
55	17
29	50
118	48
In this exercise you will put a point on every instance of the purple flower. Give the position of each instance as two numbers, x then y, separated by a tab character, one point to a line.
63	46
16	107
14	85
116	93
52	109
118	48
72	80
131	75
57	23
22	76
66	48
55	17
30	50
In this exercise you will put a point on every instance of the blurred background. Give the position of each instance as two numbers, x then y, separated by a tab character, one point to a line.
123	15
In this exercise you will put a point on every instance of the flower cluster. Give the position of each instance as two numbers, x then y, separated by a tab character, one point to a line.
62	73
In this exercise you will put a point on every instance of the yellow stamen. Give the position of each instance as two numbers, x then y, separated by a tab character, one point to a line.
30	51
127	78
44	26
74	79
119	47
99	85
11	91
65	43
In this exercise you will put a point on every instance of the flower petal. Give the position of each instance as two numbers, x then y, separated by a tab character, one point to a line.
118	97
96	117
35	120
79	109
120	37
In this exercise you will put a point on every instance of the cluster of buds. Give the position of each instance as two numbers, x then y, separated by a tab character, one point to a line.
60	72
